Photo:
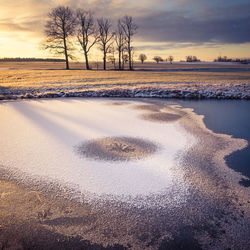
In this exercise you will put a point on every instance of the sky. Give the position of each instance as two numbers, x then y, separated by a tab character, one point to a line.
203	28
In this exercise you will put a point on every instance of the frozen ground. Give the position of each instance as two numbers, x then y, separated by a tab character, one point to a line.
196	81
117	174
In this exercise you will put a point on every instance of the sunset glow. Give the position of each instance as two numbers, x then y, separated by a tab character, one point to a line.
206	29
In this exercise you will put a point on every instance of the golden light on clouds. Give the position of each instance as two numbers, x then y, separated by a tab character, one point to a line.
163	28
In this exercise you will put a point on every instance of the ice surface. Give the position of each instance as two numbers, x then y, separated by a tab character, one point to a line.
39	138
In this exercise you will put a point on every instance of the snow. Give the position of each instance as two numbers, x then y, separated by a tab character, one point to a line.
39	138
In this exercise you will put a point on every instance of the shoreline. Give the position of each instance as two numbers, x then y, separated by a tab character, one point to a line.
188	94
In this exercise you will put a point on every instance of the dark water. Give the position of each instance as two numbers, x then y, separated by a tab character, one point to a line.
228	117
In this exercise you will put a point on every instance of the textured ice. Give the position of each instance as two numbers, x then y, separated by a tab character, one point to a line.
39	138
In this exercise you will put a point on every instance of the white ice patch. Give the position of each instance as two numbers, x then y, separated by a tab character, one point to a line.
39	137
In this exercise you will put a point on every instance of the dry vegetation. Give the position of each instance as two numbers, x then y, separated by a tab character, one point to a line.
31	80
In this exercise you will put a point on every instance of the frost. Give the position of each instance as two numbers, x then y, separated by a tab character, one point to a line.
78	83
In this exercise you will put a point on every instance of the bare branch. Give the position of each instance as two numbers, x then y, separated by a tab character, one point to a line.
129	29
58	29
86	33
105	37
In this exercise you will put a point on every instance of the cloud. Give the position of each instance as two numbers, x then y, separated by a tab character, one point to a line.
13	26
178	26
166	46
163	21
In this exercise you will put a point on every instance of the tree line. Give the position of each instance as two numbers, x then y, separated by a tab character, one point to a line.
31	59
157	59
170	59
65	23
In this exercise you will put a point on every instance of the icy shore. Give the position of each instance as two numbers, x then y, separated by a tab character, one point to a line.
195	92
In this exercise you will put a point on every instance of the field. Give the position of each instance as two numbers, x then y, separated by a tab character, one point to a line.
204	80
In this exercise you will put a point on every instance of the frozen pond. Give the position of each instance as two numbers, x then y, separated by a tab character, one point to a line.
96	146
142	173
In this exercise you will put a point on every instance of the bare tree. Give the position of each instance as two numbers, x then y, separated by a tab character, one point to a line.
124	59
120	42
142	58
158	59
111	58
132	56
195	59
225	59
58	29
129	28
189	58
192	59
105	37
87	35
170	59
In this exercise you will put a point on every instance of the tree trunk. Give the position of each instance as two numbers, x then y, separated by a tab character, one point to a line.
104	61
129	55
86	60
120	65
129	58
66	53
122	59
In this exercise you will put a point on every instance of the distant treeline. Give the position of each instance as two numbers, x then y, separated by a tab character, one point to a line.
19	59
226	59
